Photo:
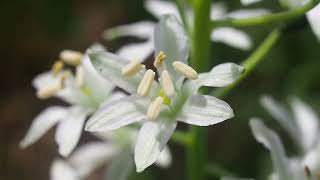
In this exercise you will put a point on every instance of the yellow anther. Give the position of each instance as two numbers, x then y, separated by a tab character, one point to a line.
185	70
159	59
57	67
63	77
79	76
71	57
154	108
146	83
167	84
132	68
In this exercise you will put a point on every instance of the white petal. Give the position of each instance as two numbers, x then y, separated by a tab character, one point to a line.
232	37
44	79
307	121
221	75
136	51
218	10
142	29
170	38
61	170
152	138
312	160
42	123
202	110
116	114
122	165
273	143
247	13
165	158
158	8
69	130
90	156
110	67
281	114
249	2
314	20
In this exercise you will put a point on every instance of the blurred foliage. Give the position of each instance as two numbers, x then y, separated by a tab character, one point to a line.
34	31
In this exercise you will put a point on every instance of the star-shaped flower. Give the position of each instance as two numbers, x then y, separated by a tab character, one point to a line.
161	104
115	149
85	91
144	29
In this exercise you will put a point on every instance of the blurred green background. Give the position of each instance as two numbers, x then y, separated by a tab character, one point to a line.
33	32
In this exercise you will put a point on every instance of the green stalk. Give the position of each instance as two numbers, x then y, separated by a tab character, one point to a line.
266	19
200	52
252	61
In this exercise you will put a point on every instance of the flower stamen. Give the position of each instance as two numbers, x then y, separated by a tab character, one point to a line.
57	67
71	57
146	83
79	76
167	84
132	68
159	59
155	108
185	70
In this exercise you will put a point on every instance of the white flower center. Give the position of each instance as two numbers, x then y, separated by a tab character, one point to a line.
168	87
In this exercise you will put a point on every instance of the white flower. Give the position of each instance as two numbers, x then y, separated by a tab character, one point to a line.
116	149
159	105
144	29
85	92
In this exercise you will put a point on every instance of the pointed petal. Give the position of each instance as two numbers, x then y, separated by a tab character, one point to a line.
113	115
152	138
312	159
202	110
91	156
110	67
282	115
142	29
307	121
158	8
221	75
121	165
61	170
247	13
136	51
69	130
232	37
170	38
314	20
165	158
249	2
42	123
273	143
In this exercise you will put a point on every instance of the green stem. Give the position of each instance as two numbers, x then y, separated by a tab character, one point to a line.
183	138
200	52
266	19
252	61
215	170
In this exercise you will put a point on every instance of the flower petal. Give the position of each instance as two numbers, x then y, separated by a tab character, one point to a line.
307	122
121	165
158	8
116	114
42	123
110	66
165	158
314	20
142	29
69	130
247	13
221	75
170	38
152	138
61	170
281	114
273	143
202	110
249	2
136	51
232	37
218	11
91	156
